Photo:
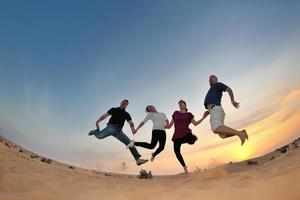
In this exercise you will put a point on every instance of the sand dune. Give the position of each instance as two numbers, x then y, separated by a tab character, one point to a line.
25	175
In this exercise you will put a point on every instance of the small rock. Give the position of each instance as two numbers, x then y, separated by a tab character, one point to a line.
251	162
273	157
6	144
71	167
46	160
20	150
34	156
283	149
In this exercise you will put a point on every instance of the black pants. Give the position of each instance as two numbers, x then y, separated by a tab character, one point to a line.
190	139
157	136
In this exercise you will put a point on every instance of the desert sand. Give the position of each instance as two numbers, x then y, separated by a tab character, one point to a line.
26	175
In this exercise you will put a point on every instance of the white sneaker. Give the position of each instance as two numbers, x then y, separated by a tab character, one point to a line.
131	144
141	161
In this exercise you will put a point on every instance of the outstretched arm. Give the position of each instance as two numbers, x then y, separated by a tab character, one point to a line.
169	125
139	126
142	123
131	126
205	114
103	117
234	103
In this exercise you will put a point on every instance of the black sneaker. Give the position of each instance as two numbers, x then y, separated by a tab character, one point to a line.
92	132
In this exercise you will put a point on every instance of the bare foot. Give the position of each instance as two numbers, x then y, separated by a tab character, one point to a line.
242	136
152	158
246	134
186	170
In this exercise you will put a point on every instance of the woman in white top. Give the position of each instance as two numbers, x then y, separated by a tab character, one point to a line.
159	120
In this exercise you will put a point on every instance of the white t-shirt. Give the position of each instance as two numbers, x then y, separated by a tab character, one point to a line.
158	119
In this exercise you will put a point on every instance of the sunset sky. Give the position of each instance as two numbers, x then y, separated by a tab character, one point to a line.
64	63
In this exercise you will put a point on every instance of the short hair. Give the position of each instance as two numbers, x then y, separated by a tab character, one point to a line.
213	76
126	100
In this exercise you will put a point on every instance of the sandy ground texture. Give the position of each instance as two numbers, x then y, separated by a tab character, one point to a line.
28	176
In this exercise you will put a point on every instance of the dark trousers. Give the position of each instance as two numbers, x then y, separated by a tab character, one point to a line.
157	136
177	142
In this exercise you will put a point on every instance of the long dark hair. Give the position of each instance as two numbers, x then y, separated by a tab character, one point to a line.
182	101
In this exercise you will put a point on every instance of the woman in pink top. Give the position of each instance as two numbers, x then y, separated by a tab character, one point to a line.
183	134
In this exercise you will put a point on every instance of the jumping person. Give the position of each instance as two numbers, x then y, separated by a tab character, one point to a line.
159	120
114	128
183	134
212	103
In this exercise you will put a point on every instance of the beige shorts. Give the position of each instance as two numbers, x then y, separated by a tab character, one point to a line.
217	116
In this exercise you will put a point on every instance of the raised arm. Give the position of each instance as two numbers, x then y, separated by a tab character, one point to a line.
234	103
103	117
205	114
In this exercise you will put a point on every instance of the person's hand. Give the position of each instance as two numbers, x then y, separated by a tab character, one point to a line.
134	131
235	104
205	114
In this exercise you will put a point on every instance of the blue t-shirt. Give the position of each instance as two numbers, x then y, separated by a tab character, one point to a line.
214	94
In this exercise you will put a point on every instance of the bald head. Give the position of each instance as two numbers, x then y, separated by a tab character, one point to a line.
213	79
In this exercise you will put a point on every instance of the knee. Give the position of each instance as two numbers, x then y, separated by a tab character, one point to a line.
161	148
152	145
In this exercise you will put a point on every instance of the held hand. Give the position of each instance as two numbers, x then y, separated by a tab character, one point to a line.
134	131
205	114
235	104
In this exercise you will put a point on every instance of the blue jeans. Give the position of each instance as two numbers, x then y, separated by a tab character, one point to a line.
112	130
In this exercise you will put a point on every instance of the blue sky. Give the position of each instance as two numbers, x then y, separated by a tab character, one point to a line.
63	63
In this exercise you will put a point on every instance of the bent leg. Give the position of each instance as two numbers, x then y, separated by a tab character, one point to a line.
120	135
217	117
146	145
225	132
162	142
107	131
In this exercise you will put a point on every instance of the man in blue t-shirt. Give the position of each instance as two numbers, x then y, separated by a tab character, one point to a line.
212	103
114	128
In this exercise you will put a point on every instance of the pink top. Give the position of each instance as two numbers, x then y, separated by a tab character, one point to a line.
181	123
